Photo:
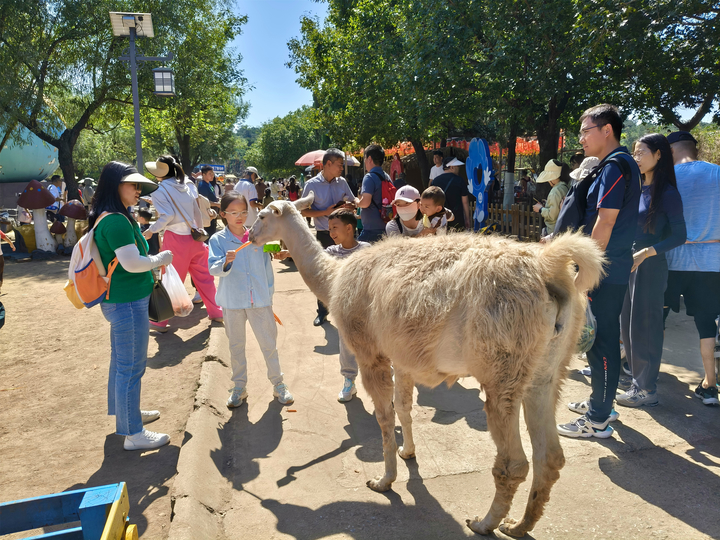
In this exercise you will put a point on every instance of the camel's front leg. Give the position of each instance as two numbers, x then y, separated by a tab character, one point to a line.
404	386
377	380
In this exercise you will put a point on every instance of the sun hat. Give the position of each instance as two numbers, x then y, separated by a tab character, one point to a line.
147	186
157	168
587	165
454	162
677	136
406	193
552	172
252	170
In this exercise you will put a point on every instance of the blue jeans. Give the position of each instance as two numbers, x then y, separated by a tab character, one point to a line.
371	235
129	330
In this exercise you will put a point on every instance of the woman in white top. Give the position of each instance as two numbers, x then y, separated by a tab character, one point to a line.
178	211
409	219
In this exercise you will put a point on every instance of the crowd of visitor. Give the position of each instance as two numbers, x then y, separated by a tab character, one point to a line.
647	209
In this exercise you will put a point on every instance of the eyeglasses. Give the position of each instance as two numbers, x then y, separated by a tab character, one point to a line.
639	153
583	132
244	213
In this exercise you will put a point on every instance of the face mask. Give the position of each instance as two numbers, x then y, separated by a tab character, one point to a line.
407	213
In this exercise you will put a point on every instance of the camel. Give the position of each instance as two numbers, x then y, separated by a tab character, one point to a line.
440	307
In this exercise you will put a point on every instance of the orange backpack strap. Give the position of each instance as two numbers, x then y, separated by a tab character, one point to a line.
111	268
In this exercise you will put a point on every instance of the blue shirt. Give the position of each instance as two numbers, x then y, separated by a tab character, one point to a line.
699	185
327	194
611	190
206	190
370	216
249	281
669	222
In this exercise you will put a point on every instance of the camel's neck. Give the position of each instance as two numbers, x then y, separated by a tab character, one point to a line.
316	267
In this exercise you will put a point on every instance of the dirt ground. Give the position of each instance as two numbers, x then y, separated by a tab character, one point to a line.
55	434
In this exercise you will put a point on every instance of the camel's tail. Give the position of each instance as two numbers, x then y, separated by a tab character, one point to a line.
583	251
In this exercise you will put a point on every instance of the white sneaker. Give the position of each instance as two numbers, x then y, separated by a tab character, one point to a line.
146	440
197	299
582	407
585	428
149	416
348	391
281	392
237	396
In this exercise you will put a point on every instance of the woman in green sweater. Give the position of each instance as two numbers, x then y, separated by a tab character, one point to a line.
118	236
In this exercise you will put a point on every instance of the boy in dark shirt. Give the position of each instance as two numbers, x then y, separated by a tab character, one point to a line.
144	217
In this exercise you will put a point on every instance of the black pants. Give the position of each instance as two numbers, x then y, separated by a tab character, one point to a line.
641	322
604	357
212	229
326	241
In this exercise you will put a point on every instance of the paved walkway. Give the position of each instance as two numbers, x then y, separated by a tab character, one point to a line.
265	471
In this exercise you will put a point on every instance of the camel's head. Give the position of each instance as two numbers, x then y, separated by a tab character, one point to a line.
274	220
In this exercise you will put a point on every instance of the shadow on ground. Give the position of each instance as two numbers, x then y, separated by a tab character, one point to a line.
145	473
666	480
453	404
370	521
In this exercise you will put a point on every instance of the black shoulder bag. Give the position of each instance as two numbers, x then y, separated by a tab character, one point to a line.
574	206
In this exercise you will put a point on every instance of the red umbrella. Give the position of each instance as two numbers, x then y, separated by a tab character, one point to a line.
310	158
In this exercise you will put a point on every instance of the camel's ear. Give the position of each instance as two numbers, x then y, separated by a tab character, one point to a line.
274	209
305	202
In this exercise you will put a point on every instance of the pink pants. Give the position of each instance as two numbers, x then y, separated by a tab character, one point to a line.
190	255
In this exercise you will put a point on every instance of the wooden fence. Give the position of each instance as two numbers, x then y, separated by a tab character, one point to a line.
519	221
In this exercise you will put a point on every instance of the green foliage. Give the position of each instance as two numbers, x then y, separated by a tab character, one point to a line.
60	72
283	140
664	52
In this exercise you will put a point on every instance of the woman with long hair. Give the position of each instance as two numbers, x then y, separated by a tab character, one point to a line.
661	227
117	235
179	213
293	190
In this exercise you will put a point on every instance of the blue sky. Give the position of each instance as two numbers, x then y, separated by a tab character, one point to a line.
263	44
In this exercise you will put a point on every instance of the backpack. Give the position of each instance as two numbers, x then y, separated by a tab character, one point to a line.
387	210
574	206
88	282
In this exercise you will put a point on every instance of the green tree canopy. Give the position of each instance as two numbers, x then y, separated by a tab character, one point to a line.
283	140
60	71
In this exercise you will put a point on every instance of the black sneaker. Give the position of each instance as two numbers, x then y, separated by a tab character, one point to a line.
709	396
625	382
626	369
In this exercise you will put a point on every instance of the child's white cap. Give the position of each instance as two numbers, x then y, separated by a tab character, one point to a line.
407	194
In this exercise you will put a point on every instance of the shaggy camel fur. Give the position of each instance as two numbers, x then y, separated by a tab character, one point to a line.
506	312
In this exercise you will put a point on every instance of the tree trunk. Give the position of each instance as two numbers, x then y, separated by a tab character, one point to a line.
66	144
422	160
548	135
509	179
185	157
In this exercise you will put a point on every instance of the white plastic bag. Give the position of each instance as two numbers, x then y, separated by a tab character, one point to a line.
589	330
181	302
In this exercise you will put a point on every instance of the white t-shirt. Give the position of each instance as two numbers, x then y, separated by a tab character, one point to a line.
437	170
249	191
392	229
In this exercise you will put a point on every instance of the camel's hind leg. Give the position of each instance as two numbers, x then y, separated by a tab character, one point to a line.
511	465
404	386
377	380
539	407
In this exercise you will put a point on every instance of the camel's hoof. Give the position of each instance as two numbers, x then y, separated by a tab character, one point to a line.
379	485
478	526
512	527
405	455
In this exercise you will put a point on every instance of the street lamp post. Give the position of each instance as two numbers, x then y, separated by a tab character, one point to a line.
140	25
